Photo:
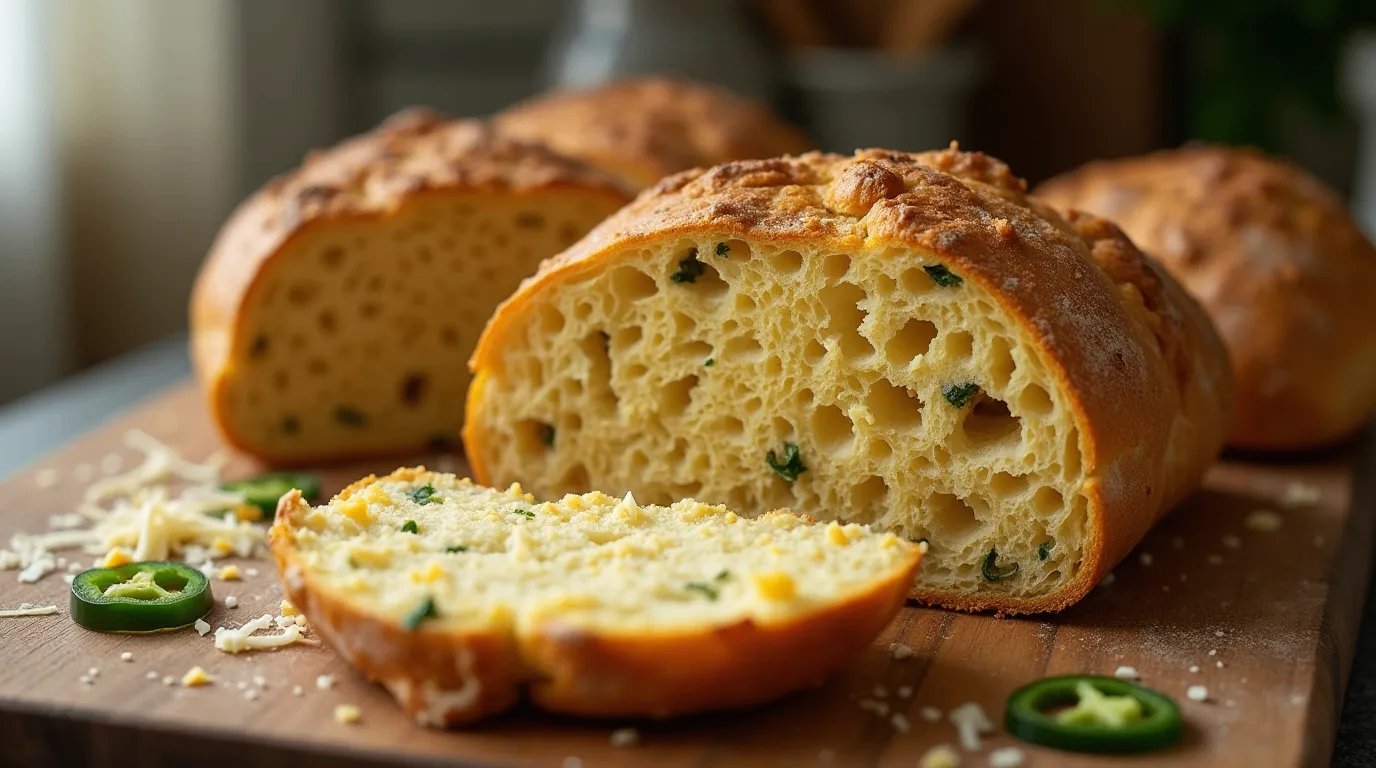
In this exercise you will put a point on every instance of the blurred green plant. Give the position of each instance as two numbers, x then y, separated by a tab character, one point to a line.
1253	61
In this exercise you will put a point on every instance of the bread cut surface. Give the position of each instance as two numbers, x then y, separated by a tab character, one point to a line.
894	339
459	598
644	129
1279	265
336	310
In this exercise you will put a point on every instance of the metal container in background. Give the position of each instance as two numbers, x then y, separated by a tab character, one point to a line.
708	40
851	99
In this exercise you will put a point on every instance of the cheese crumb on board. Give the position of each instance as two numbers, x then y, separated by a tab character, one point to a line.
1007	757
879	691
152	675
899	721
1301	495
1214	560
1145	558
196	677
260	681
1197	693
252	694
1194	669
288	609
940	756
297	690
324	682
126	656
971	723
904	691
169	680
1262	521
877	708
93	672
899	651
347	714
202	627
231	601
575	762
229	573
245	638
1126	673
1108	579
252	572
45	478
931	714
1231	542
625	737
32	610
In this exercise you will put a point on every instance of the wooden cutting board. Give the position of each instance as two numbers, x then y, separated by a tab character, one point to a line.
1269	621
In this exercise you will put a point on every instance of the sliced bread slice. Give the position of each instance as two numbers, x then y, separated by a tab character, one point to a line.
900	339
458	597
336	311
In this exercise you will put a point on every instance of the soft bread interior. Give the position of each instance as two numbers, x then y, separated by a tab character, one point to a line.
496	561
687	368
354	338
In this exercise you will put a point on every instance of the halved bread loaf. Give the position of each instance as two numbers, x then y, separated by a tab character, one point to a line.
903	340
336	310
1279	265
458	598
644	129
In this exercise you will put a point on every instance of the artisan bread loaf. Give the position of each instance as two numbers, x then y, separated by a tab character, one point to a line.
644	129
1278	264
336	310
458	597
896	339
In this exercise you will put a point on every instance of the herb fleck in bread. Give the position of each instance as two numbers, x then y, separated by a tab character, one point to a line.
1278	264
897	339
644	129
457	597
335	312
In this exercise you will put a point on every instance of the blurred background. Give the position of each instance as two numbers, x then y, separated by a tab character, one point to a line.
130	128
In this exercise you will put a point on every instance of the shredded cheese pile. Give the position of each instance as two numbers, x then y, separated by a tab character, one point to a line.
136	511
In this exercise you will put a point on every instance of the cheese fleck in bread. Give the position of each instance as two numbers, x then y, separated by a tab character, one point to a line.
459	598
335	312
903	340
1278	264
643	129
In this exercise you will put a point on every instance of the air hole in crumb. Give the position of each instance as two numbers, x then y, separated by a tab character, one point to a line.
624	338
773	367
1047	501
569	232
317	366
730	425
575	480
571	423
599	371
744	305
332	257
290	425
989	421
804	397
582	310
413	389
959	345
867	500
630	284
696	352
368	310
549	318
1034	401
448	336
424	255
836	265
841	302
1005	485
912	340
488	274
786	262
259	347
832	428
1072	454
915	281
280	380
676	396
892	406
878	450
1001	365
742	349
534	437
952	519
327	320
530	220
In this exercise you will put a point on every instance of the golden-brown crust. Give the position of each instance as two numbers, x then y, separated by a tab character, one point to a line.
1098	310
644	129
1280	266
416	152
575	671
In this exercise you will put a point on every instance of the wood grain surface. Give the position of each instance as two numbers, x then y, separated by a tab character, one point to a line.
1269	620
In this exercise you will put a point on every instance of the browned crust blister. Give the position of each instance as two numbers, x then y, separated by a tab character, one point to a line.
416	152
1278	263
1141	367
647	128
484	671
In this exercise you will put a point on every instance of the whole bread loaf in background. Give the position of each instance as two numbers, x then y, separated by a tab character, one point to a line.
900	339
460	599
644	129
336	311
1279	265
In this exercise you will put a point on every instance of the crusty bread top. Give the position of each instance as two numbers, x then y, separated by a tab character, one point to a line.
415	152
1095	306
648	128
1274	256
